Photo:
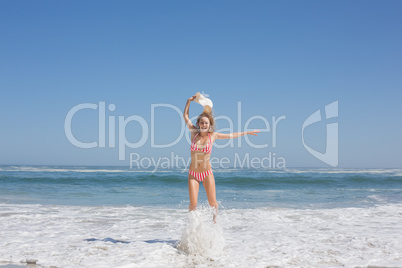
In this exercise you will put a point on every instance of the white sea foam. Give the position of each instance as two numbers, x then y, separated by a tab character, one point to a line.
387	172
392	172
83	170
79	236
201	239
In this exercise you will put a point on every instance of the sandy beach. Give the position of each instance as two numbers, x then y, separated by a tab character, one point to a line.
11	265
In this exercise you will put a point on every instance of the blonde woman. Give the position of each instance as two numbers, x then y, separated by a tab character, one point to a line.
202	138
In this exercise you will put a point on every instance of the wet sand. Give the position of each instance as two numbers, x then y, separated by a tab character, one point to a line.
18	266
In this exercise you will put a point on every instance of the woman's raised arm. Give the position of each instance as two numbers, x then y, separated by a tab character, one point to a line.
186	114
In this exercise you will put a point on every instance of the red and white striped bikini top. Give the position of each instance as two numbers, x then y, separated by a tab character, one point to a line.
207	149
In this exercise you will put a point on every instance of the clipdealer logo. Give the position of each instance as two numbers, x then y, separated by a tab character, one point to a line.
330	156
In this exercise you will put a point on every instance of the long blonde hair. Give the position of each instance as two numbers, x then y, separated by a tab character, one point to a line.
208	114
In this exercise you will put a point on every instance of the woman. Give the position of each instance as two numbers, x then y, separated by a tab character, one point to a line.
202	139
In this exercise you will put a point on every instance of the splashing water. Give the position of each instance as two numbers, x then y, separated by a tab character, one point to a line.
201	239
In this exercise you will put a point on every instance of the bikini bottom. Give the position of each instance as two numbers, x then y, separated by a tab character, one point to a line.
200	176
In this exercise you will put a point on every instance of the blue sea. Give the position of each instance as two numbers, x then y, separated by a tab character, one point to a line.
67	216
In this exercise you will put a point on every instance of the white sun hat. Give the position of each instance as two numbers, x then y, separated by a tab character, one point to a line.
202	99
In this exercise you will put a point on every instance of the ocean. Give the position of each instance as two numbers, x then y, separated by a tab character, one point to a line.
65	216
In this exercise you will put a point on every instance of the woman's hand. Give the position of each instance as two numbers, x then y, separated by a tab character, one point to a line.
254	132
192	98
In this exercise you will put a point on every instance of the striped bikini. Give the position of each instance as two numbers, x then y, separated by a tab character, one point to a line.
207	149
200	176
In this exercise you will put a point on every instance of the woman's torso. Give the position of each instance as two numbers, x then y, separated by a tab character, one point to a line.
200	148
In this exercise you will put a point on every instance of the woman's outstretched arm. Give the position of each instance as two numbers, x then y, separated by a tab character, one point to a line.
220	136
186	114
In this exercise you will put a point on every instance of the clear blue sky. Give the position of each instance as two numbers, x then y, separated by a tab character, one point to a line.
278	58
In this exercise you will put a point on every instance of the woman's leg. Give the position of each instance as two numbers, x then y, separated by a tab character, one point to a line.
193	187
209	185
